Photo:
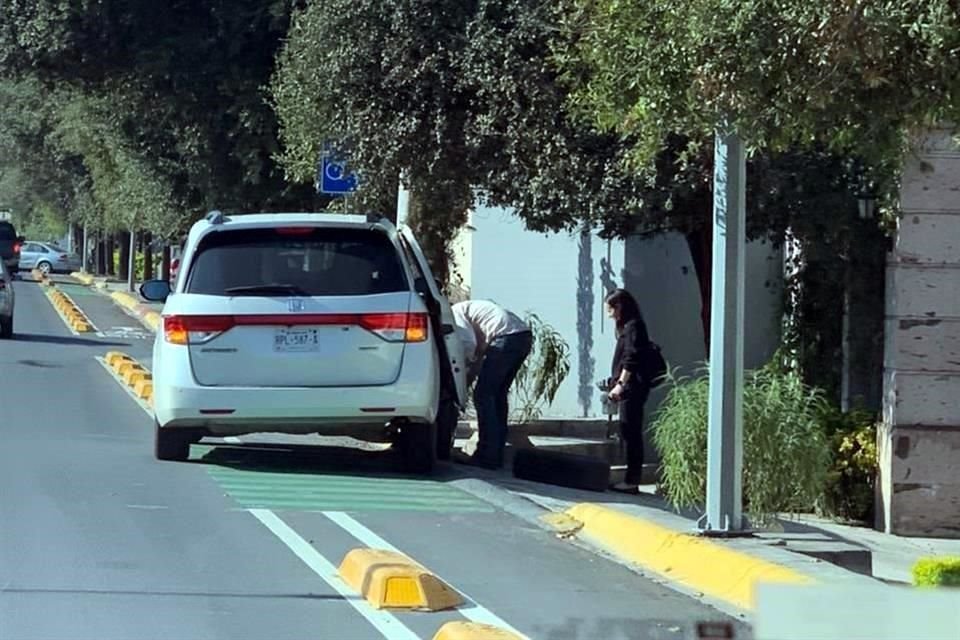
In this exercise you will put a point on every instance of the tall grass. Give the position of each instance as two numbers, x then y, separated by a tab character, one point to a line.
785	452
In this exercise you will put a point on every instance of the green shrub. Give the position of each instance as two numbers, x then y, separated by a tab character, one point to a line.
541	375
542	372
785	453
937	572
851	480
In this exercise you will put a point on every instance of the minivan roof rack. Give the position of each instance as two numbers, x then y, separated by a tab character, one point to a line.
215	217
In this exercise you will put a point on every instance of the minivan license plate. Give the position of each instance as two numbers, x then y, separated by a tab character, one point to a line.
296	340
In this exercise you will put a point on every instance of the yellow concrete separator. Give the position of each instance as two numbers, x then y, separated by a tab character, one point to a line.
697	563
71	314
132	374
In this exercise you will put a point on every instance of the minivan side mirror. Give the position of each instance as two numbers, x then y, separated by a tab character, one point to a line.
155	290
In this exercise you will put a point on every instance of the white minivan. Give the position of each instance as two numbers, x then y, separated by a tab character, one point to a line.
306	323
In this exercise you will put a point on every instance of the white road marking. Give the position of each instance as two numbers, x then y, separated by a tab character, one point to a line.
385	622
473	611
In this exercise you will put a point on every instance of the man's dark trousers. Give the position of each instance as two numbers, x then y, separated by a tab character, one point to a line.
501	363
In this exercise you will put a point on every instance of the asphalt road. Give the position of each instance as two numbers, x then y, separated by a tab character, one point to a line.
98	540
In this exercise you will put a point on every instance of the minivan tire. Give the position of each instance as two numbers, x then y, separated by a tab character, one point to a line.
417	445
171	444
6	328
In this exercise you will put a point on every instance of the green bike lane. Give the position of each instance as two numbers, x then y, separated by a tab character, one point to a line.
255	511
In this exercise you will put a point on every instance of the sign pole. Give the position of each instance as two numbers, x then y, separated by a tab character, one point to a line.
724	514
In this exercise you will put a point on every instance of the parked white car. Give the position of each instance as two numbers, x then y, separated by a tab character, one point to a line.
306	323
6	301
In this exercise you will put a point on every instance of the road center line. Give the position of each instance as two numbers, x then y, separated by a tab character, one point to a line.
385	622
473	611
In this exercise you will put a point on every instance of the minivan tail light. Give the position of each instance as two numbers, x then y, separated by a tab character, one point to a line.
184	330
16	247
294	231
396	327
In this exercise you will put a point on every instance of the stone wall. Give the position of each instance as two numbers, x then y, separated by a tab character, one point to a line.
920	437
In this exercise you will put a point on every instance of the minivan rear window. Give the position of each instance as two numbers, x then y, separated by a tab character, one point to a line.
317	261
7	232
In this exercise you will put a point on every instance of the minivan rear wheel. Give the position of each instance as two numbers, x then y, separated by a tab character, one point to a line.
417	445
171	444
6	327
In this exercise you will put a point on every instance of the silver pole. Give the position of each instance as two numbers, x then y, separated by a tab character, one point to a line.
86	251
725	437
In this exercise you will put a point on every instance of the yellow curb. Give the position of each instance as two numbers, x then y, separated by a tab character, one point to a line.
83	278
391	580
124	299
473	631
152	320
696	563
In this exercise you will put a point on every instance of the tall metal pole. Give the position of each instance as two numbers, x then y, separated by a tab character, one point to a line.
86	250
725	437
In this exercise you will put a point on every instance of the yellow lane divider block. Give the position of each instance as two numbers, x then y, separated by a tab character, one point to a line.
391	580
144	389
473	631
126	367
115	357
135	375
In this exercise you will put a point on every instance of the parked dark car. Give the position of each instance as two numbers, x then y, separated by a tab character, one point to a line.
10	245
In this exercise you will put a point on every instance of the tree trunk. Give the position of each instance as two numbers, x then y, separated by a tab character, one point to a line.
123	272
147	256
700	244
165	263
102	262
110	261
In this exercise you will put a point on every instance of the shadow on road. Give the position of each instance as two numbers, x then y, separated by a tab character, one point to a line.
371	460
69	340
178	594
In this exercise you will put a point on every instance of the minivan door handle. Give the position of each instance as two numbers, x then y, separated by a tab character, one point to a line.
448	329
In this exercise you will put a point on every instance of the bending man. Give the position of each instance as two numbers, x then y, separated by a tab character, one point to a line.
496	343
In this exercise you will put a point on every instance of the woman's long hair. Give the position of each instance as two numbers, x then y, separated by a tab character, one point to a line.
625	305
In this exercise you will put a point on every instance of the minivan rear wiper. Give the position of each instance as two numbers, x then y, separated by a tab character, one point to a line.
255	289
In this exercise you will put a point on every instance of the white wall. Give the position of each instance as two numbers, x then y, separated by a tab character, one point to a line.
541	273
564	281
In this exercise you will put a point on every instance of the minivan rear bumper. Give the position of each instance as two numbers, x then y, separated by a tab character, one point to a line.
302	410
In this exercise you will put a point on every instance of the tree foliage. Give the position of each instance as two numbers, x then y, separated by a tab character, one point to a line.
155	109
857	77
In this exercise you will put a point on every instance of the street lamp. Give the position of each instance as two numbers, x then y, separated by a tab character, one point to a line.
867	202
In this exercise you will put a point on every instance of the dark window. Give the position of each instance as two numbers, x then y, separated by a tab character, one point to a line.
312	262
7	232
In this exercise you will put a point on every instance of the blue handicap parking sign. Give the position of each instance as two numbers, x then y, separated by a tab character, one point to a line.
334	177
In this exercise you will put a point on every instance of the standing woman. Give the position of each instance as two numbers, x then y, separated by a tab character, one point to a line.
629	387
